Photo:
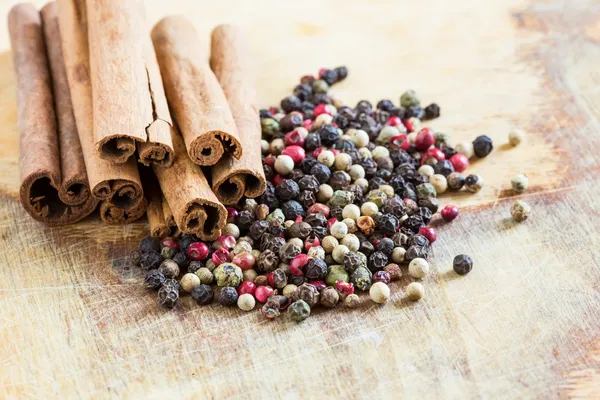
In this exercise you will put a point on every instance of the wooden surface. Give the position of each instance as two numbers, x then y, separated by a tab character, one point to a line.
525	323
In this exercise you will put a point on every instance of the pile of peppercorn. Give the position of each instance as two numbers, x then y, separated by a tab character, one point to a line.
349	197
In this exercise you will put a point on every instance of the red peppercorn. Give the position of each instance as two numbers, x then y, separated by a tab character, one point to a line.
425	139
409	126
298	263
321	72
345	288
270	160
400	142
318	208
226	241
277	179
382	276
169	242
244	260
273	110
435	153
330	222
299	218
220	256
248	287
322	109
197	251
335	151
307	124
394	121
317	151
271	279
449	213
429	233
309	243
307	78
232	215
320	285
297	153
262	293
294	138
460	162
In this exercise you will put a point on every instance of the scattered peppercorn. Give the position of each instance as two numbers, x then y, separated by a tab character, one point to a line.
482	146
520	211
379	292
168	296
473	183
519	183
415	291
462	264
228	296
154	279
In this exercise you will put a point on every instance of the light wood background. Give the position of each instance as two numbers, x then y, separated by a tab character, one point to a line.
525	323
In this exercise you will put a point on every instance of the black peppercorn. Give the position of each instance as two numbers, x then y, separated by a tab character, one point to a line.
300	230
307	79
417	252
307	198
342	73
385	105
279	279
418	240
287	190
150	260
135	257
330	76
228	296
370	167
258	228
406	171
397	183
315	270
366	248
482	146
321	172
245	220
296	280
339	180
181	259
276	227
316	219
413	223
154	279
150	244
409	193
400	240
267	261
444	167
292	209
432	204
291	121
395	206
309	182
264	113
432	111
308	110
462	264
425	214
268	171
351	261
203	294
288	251
364	106
194	266
168	296
377	261
388	223
291	103
329	134
303	91
320	98
400	157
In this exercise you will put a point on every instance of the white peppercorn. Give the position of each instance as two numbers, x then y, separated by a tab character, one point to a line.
351	224
289	290
284	164
326	157
369	209
276	146
439	182
189	281
365	153
386	134
296	242
398	254
362	183
465	148
352	301
338	253
379	292
231	229
351	242
241	247
426	170
264	146
338	230
416	123
351	211
515	137
246	302
322	119
388	190
356	171
316	252
412	137
415	291
519	183
342	162
418	268
380	152
360	139
325	193
329	243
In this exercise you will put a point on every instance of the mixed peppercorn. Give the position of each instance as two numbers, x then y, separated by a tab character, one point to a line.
350	195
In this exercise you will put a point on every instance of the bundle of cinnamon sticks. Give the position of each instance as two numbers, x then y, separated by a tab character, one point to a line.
98	95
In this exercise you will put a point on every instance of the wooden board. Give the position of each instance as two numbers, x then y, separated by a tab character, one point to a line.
75	322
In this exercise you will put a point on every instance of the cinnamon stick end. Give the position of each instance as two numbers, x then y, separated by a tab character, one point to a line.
117	149
209	148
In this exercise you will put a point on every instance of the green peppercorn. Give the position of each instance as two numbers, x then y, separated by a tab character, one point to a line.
320	86
409	99
336	273
228	274
269	126
167	252
341	198
205	275
425	191
378	197
277	214
361	278
299	310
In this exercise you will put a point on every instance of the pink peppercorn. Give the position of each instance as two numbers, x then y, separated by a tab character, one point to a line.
262	293
400	142
271	279
273	110
320	285
435	153
307	124
244	260
246	287
318	208
270	160
298	263
321	72
232	214
429	233
322	109
169	242
345	288
382	276
297	153
311	242
394	121
226	241
410	204
220	256
317	151
294	138
330	222
277	179
449	213
425	139
335	151
197	251
409	126
460	162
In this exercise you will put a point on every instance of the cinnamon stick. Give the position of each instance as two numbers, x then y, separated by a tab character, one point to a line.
156	216
195	207
128	98
230	61
117	184
170	219
54	185
115	215
196	99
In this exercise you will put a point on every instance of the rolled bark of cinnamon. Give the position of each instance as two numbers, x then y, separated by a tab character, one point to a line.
230	59
196	99
195	207
54	185
170	219
128	98
156	216
117	185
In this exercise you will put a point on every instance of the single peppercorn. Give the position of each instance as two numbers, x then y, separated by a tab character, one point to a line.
228	296
388	223
228	274
462	264
292	209
455	181
315	270
329	297
515	137
299	310
415	291
287	190
150	244
203	294
169	268
432	111
279	279
519	183
135	257
482	146
377	261
308	293
168	296
154	279
473	183
386	246
418	268
336	273
520	211
150	260
379	292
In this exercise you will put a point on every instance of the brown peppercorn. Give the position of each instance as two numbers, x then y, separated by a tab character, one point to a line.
352	301
279	279
394	271
288	251
261	280
169	268
366	224
300	230
262	210
329	297
308	293
267	261
135	257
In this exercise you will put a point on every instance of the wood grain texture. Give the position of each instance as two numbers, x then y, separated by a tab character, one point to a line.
525	323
